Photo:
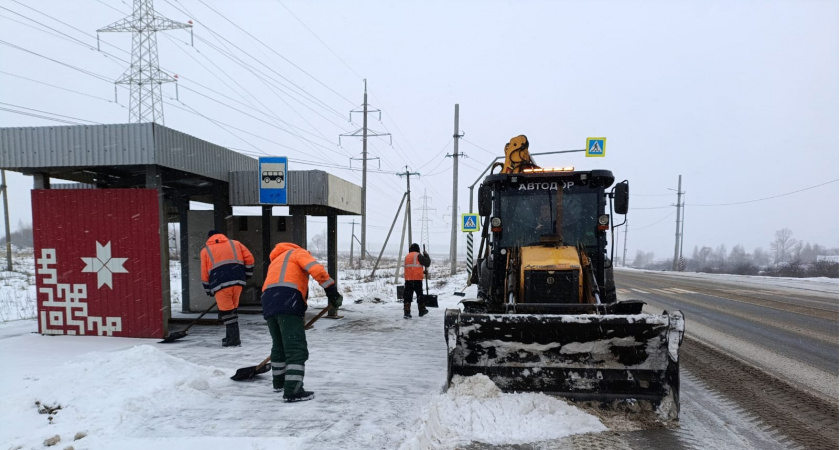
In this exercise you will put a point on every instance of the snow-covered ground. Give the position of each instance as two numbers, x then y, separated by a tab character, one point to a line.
378	380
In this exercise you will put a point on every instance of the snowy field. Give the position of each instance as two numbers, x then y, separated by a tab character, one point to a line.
378	382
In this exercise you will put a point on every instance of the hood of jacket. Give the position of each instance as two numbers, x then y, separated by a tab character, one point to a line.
217	238
281	248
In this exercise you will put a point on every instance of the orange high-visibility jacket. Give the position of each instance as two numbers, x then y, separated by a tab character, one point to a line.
413	267
286	287
224	263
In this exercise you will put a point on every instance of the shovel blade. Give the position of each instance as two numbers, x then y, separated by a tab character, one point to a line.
172	337
247	373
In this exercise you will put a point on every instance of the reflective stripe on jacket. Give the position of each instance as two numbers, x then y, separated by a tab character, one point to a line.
224	263
413	268
286	287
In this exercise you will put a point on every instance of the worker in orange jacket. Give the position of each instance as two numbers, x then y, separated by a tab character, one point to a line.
415	266
284	301
225	265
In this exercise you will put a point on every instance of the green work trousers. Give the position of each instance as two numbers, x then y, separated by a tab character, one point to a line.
288	352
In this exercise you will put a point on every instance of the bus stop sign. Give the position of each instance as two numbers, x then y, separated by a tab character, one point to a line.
273	171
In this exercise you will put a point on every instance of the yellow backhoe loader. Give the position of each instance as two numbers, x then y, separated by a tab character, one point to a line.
546	317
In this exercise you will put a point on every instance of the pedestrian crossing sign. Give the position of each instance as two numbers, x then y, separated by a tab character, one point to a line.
469	223
596	147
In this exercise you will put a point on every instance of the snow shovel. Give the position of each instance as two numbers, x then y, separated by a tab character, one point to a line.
248	373
461	293
172	337
428	300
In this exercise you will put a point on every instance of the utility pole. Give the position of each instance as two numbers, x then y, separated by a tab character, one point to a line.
144	76
408	175
425	220
364	134
682	234
453	242
352	236
677	234
6	217
624	255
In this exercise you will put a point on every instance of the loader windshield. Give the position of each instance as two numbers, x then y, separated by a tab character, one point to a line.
527	215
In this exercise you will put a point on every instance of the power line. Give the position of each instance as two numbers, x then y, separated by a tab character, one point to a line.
274	51
320	40
654	223
768	198
260	62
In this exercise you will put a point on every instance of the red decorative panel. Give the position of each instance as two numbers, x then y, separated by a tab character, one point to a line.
97	262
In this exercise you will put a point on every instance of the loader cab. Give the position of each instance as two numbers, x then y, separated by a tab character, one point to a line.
524	211
527	208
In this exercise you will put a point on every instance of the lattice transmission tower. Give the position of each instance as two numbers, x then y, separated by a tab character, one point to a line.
144	77
425	220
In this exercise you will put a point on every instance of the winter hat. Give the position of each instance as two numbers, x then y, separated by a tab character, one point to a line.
414	248
212	232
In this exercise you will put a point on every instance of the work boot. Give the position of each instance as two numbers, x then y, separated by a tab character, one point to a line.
421	309
406	310
423	312
300	396
232	339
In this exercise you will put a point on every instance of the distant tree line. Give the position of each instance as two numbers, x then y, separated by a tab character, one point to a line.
786	257
22	237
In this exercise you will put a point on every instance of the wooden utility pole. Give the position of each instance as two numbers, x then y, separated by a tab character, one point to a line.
453	242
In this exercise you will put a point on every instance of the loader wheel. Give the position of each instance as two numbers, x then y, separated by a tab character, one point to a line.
609	286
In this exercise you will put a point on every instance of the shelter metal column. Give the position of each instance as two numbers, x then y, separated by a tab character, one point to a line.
332	252
183	213
266	238
40	181
298	226
221	207
154	181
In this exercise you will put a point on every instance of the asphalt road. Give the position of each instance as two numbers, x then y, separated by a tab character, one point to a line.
797	322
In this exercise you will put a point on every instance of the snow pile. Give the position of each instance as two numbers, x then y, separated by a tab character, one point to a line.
475	410
116	399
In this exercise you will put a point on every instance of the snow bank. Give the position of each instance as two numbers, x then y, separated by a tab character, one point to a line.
117	399
475	410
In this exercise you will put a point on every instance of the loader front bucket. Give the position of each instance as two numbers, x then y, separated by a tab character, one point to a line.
584	357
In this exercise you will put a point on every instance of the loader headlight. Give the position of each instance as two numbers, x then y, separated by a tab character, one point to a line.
496	222
604	219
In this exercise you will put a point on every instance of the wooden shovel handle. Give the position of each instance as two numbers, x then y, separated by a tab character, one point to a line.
308	325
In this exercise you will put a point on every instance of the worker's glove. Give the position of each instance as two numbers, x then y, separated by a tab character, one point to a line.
425	254
335	300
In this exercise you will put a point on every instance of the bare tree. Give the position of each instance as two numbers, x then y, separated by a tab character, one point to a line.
760	257
318	243
737	255
783	245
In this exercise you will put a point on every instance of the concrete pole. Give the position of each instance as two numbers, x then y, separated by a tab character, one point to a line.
408	203
6	217
624	255
677	234
352	235
453	242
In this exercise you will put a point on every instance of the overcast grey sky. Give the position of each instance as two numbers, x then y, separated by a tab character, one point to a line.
738	97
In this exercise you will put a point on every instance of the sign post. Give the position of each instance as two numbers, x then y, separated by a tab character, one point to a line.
273	174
